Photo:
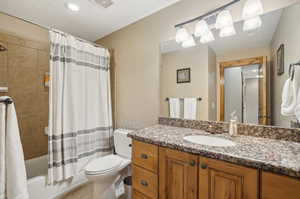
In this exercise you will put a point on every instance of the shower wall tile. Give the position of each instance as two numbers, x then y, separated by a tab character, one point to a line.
3	66
2	37
22	68
24	42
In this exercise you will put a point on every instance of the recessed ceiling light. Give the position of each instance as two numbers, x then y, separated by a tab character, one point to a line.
72	6
103	3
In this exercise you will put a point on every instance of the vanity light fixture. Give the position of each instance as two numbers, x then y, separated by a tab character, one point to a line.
224	22
72	6
252	8
190	42
252	24
209	37
224	19
251	15
182	35
227	31
201	28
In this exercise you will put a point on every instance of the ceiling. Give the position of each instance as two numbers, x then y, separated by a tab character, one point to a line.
91	22
242	40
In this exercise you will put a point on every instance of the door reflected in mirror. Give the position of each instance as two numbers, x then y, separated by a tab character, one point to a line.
243	91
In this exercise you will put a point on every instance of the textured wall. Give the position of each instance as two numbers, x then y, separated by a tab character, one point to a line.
287	33
22	69
197	60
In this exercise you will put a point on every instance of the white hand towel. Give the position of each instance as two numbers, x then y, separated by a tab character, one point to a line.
297	108
297	82
289	97
174	105
2	151
190	108
16	180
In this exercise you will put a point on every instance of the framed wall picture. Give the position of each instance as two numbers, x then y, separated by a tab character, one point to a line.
280	60
184	75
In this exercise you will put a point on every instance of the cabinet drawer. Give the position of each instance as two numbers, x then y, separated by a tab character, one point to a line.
145	182
138	195
145	155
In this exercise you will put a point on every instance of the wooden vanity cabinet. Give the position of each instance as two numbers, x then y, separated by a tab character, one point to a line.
144	170
138	195
145	155
163	173
178	174
221	180
145	182
274	186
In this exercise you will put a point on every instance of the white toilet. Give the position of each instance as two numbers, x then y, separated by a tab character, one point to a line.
104	171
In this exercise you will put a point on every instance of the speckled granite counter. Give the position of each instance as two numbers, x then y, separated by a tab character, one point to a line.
282	157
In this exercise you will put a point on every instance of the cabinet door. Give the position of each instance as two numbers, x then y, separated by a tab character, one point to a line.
221	180
279	187
178	175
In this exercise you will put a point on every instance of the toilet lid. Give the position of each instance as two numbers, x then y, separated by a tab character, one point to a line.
103	164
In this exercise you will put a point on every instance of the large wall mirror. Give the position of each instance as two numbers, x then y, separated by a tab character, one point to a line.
241	76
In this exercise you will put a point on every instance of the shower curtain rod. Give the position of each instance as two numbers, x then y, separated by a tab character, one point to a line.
49	28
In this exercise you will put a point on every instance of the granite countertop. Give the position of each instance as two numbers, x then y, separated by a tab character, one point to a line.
282	157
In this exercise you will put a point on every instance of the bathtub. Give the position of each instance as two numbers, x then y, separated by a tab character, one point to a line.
36	169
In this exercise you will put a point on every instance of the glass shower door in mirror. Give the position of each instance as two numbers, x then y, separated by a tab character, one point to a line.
243	88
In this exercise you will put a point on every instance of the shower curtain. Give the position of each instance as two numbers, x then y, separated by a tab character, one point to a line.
80	118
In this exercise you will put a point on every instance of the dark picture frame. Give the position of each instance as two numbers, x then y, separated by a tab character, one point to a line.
184	75
280	60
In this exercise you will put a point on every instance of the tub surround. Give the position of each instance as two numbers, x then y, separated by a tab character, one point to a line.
273	155
22	70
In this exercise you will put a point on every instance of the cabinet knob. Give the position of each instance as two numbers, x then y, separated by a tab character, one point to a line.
144	156
144	183
203	166
192	163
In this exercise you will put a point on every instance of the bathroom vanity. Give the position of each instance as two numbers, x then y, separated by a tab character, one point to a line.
165	166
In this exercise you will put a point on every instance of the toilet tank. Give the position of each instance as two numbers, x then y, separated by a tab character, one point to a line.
122	143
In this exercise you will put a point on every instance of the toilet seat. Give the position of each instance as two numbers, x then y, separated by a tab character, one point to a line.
103	165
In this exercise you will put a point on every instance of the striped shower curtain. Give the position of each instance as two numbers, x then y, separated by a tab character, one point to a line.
80	118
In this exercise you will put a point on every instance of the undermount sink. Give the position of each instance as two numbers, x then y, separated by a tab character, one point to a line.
209	140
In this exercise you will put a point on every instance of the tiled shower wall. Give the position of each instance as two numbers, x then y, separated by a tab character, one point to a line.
22	69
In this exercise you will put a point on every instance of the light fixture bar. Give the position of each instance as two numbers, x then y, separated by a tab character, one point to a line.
207	14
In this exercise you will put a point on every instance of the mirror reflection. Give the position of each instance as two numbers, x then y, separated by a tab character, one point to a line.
242	77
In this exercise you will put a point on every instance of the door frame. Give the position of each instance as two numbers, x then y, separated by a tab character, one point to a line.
264	111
